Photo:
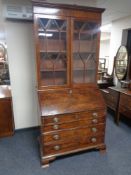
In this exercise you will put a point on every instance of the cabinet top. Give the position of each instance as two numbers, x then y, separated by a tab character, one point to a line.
67	6
121	90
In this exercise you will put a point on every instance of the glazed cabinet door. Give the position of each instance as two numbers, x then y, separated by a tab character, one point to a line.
85	51
52	50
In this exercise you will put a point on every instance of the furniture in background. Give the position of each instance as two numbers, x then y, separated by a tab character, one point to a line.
102	70
72	108
124	104
111	96
104	80
118	98
6	114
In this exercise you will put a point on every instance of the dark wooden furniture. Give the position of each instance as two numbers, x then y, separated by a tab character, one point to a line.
124	104
6	115
119	100
112	96
72	108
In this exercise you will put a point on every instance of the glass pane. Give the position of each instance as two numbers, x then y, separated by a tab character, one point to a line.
53	54
84	51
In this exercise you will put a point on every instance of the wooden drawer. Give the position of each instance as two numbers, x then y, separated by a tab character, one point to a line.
82	143
112	98
125	100
125	105
64	134
6	117
64	118
125	110
73	124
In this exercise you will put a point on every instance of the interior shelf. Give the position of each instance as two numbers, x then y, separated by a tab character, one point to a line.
52	51
51	30
56	70
80	69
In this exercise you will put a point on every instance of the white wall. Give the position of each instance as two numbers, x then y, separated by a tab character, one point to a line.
105	50
116	36
22	73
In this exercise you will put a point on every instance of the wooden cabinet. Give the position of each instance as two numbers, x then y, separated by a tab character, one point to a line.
124	104
119	100
72	108
6	114
112	96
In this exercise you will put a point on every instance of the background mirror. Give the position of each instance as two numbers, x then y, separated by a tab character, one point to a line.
121	61
4	69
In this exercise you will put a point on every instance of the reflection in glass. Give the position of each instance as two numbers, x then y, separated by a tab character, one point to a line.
84	51
121	62
53	54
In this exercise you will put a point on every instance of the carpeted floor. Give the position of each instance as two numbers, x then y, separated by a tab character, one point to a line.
19	155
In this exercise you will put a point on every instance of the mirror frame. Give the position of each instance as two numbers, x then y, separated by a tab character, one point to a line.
4	74
4	50
124	74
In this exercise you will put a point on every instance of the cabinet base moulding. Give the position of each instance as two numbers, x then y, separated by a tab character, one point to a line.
45	160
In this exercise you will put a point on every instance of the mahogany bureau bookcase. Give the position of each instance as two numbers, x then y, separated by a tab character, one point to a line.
72	108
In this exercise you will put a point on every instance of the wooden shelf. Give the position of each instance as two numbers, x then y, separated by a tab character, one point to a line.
76	52
52	51
56	70
80	69
51	30
75	31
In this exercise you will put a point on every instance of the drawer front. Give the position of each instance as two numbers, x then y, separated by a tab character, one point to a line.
62	147
74	124
125	110
125	100
112	98
47	120
114	93
64	134
111	103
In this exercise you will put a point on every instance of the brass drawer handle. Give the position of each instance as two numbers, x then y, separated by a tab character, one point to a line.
55	119
70	91
56	137
55	126
95	114
94	129
95	121
57	147
93	140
